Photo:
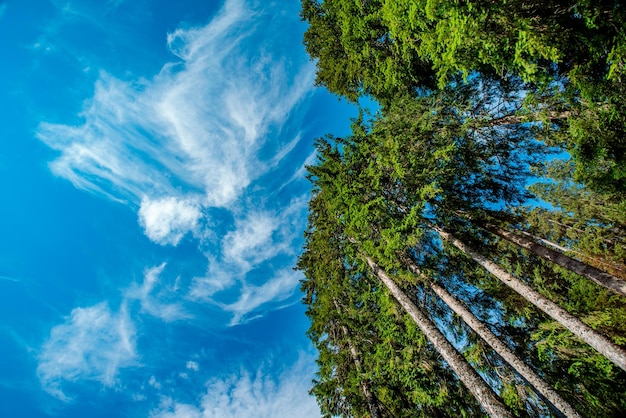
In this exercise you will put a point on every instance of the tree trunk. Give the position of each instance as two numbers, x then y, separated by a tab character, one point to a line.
559	405
517	119
369	397
603	279
596	340
470	378
549	243
540	386
601	262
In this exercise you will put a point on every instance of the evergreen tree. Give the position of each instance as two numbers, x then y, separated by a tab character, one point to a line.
340	297
388	201
570	53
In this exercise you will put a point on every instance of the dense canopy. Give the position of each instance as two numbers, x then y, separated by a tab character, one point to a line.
485	198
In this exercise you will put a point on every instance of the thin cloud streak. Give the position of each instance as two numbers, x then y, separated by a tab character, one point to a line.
156	300
277	289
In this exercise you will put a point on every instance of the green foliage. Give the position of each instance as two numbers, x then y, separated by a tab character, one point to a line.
570	54
594	385
396	363
402	43
355	52
591	225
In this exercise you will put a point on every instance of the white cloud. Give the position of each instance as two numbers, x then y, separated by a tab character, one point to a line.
170	409
199	137
251	241
154	383
246	395
159	304
277	289
258	238
192	365
167	220
219	277
198	124
92	344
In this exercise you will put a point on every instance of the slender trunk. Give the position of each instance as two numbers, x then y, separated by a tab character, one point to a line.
549	243
369	397
517	119
569	227
470	378
596	340
559	405
594	260
603	279
540	386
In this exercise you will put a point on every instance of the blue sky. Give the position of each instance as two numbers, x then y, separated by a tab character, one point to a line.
152	169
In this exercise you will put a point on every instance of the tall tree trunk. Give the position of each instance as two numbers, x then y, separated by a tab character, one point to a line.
598	341
517	119
603	279
559	405
594	260
470	378
540	386
369	397
549	243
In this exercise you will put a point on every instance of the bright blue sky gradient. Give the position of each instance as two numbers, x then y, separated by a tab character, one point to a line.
152	165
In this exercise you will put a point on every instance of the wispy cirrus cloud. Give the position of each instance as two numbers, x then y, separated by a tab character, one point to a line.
251	241
278	288
250	395
157	301
256	238
195	128
93	343
205	133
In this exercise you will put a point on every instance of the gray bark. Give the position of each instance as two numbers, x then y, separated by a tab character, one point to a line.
540	386
605	280
516	119
602	344
595	258
550	243
559	405
470	378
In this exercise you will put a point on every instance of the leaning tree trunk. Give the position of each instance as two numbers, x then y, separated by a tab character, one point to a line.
470	378
517	119
603	279
559	405
369	397
602	344
608	265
